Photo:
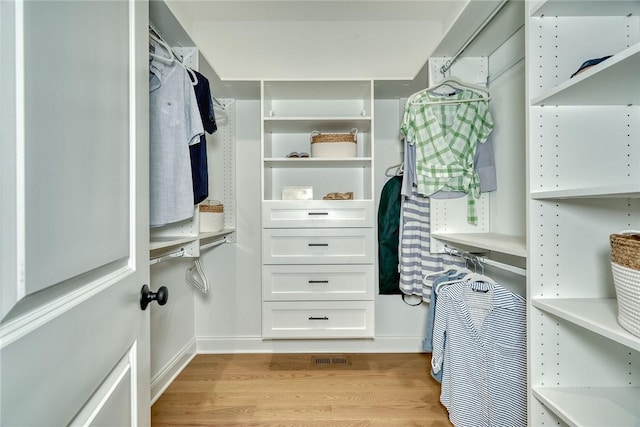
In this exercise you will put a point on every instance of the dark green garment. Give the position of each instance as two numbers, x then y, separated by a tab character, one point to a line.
388	236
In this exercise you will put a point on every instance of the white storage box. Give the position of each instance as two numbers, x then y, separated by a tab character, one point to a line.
334	144
211	216
297	193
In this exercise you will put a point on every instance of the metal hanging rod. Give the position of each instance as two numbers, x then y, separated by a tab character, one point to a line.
177	254
471	39
213	244
487	261
506	267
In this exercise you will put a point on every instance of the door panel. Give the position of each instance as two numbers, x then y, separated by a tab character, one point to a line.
76	129
111	404
74	343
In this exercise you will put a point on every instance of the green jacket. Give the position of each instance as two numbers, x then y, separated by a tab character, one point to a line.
388	236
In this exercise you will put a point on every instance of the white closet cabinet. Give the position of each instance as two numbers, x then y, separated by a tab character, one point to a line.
584	184
318	255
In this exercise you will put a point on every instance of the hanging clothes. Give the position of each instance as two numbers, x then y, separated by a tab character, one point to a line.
174	125
389	237
198	152
445	137
484	163
479	337
416	259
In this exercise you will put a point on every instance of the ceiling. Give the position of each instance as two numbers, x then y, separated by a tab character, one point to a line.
309	39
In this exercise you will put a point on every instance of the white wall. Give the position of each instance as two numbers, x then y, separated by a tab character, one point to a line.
172	325
229	315
395	320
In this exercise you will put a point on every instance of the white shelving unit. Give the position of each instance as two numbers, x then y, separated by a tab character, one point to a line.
318	257
584	184
291	110
577	406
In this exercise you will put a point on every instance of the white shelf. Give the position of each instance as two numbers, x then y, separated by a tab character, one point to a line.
598	315
604	84
309	162
627	191
593	406
169	241
319	123
512	245
585	8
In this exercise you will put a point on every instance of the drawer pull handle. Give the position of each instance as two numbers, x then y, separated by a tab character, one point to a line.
318	281
318	318
318	244
318	213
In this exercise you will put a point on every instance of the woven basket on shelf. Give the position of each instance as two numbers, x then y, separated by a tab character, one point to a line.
334	144
625	265
211	216
212	208
333	137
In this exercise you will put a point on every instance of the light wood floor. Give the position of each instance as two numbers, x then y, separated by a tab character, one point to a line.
296	390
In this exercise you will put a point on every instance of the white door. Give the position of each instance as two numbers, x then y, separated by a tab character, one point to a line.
74	343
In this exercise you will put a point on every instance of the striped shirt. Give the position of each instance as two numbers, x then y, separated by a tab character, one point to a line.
445	137
484	379
416	259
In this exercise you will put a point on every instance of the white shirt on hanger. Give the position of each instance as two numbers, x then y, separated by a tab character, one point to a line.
174	124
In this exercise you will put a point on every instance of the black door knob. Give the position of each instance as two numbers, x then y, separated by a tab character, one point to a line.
146	296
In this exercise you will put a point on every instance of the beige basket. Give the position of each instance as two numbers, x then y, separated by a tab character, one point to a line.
334	144
211	216
625	266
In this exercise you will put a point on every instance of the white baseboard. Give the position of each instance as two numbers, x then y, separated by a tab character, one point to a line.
255	344
165	377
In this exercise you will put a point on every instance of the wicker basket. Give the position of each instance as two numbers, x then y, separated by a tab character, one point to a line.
334	144
625	266
211	216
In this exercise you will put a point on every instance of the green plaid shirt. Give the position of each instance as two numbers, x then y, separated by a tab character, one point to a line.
445	137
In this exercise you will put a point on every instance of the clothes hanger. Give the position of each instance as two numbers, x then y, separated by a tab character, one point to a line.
478	277
457	270
399	170
192	74
218	103
452	281
197	277
456	84
155	36
161	43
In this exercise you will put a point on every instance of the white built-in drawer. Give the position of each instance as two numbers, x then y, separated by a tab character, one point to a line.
318	246
322	319
317	213
317	282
